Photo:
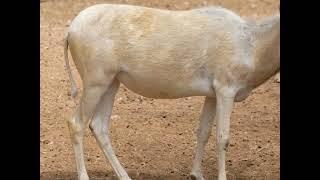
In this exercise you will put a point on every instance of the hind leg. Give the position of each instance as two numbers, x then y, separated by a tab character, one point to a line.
76	129
93	91
100	129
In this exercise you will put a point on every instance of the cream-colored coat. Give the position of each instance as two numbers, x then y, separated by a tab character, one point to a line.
157	53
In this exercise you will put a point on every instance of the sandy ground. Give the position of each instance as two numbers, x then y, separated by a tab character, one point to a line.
153	139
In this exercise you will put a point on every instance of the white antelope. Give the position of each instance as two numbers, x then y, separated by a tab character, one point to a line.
166	54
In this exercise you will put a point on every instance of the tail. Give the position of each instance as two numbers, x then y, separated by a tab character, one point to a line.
74	90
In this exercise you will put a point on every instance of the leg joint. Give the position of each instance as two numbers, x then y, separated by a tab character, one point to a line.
203	134
223	141
74	126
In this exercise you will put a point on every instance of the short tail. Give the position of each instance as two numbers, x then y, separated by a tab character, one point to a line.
74	90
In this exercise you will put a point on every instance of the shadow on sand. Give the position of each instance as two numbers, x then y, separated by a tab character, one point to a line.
59	175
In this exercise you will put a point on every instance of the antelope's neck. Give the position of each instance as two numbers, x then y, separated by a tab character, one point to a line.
266	36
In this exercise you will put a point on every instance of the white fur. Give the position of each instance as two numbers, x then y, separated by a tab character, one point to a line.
157	53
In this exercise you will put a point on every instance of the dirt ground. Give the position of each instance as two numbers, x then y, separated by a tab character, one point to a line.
153	139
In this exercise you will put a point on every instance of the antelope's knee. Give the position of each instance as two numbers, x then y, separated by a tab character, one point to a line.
73	125
223	142
203	134
75	128
97	127
93	127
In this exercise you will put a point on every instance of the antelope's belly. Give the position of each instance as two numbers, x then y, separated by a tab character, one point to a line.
165	86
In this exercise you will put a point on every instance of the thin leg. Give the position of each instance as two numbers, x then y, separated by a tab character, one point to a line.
77	124
224	110
203	134
100	129
76	128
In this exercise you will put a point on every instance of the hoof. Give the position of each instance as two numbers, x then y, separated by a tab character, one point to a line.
195	176
125	178
84	177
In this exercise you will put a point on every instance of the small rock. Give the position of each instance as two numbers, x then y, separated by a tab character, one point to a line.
115	117
250	164
253	6
46	142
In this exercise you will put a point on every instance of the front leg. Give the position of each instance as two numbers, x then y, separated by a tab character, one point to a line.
225	100
203	134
